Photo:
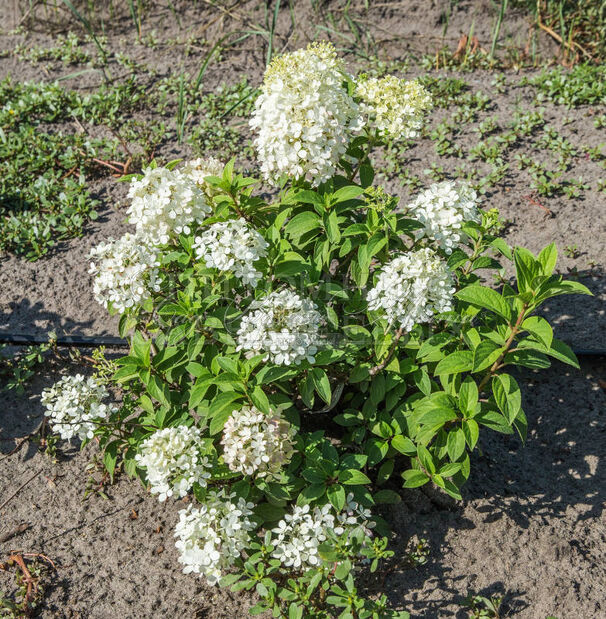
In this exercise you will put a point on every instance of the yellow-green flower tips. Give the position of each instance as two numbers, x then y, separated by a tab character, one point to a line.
394	107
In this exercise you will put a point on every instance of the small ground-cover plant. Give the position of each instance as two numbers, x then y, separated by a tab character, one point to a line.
584	84
43	195
19	367
295	357
45	163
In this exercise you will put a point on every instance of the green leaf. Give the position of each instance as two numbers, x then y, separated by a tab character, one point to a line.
158	390
295	611
349	192
485	354
507	395
321	384
548	258
259	399
309	197
141	348
404	445
302	223
455	444
486	298
367	175
221	408
449	469
501	246
351	477
437	416
456	362
313	492
219	419
314	475
468	397
527	268
331	225
496	421
426	459
377	389
471	430
540	328
521	425
452	489
527	358
110	457
359	373
562	352
198	391
126	373
336	495
269	374
385	471
414	478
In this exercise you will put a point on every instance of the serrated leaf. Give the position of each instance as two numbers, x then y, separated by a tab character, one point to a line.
528	358
349	192
302	223
495	421
486	298
437	416
540	328
485	354
456	362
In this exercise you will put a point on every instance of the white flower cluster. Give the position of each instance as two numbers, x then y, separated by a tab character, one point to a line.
412	288
256	444
173	460
125	270
212	537
198	169
305	116
442	209
297	537
395	107
164	203
232	246
282	325
74	407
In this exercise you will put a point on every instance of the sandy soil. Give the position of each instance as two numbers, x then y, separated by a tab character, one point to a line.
532	524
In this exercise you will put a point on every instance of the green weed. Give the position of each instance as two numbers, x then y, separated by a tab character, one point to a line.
583	85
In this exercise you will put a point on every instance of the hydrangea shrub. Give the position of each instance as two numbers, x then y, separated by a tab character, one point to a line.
297	359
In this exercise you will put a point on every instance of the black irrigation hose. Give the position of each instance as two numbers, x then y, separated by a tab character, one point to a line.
69	341
85	341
